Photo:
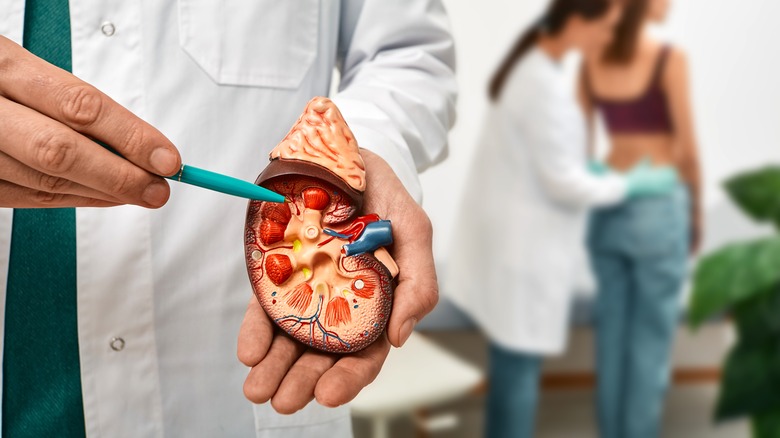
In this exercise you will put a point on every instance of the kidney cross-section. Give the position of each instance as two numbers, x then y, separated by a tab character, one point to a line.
309	267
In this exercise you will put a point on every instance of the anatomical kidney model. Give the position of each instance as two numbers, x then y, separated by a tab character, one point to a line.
317	263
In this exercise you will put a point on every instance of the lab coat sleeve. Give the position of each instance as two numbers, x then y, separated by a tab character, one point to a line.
560	167
397	89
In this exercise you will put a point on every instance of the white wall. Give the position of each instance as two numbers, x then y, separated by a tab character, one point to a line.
735	61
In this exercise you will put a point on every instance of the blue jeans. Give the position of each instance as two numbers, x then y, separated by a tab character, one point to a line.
639	253
513	394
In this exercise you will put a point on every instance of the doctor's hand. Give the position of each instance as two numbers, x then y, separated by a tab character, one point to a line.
291	375
598	168
48	121
644	179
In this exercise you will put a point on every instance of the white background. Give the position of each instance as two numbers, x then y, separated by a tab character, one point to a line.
734	54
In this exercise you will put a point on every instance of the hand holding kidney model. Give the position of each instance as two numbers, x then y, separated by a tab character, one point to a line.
317	263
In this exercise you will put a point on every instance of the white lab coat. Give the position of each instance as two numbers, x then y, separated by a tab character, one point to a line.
521	225
225	81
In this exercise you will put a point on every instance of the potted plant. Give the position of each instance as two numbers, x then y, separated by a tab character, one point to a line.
743	280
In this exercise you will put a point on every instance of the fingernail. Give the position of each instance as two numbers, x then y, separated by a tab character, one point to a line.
155	194
164	161
406	329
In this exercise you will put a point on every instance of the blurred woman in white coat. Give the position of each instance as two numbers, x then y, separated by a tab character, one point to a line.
525	206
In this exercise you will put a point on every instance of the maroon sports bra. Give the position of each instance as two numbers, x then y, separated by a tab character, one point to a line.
646	114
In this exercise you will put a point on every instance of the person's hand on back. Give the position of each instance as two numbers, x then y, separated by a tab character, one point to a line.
291	375
644	179
49	120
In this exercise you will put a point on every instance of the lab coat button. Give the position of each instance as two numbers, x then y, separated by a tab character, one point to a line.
117	344
108	28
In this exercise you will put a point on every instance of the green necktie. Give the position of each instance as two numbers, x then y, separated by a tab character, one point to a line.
41	375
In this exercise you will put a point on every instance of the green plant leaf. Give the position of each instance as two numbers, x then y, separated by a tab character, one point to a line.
733	274
757	193
767	424
750	381
758	319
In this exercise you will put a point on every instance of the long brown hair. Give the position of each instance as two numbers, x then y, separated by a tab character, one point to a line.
552	22
623	46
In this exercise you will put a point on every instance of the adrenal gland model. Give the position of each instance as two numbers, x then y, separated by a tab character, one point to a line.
317	263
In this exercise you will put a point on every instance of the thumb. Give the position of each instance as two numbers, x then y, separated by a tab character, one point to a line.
417	291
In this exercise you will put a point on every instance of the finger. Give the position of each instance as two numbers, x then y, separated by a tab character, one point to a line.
297	388
255	335
417	291
22	175
52	148
58	94
14	196
351	373
265	377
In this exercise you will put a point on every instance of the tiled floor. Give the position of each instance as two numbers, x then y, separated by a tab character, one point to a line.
569	413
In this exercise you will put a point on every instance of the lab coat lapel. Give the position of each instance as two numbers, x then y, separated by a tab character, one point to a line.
12	19
6	219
